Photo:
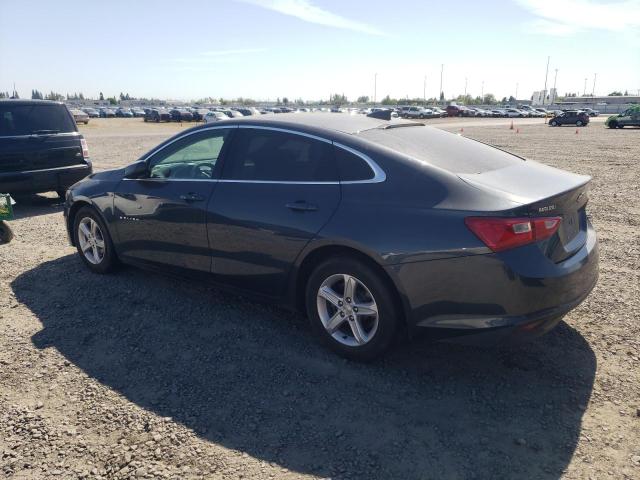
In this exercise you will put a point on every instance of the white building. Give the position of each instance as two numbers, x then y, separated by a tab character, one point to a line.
539	98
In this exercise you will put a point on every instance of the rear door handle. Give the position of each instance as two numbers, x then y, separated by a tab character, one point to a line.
191	197
301	206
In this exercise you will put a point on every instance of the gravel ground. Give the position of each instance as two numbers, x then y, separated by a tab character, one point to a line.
138	375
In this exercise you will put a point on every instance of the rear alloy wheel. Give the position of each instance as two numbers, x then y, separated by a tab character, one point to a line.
351	308
579	123
553	123
93	241
613	124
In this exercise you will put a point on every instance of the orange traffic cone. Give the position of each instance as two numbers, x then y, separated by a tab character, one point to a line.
517	130
577	131
511	127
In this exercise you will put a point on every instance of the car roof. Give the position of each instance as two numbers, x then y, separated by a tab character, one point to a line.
16	101
316	121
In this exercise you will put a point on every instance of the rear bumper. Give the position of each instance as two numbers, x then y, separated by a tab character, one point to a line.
510	296
37	181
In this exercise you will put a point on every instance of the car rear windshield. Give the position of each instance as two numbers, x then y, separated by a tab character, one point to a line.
34	119
441	149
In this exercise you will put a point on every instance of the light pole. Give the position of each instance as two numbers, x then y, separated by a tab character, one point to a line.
546	77
441	72
424	90
375	87
516	97
482	92
465	87
593	90
555	92
584	92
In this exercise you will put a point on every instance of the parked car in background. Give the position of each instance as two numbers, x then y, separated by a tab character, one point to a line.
630	117
199	113
79	116
346	220
545	112
570	117
591	112
92	112
514	113
459	111
124	113
157	115
437	111
107	113
212	117
415	112
40	148
138	112
181	115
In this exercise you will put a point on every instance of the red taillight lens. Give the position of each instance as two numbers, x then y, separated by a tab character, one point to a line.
504	233
85	148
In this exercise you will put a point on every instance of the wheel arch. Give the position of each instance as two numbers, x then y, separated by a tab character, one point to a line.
312	258
73	211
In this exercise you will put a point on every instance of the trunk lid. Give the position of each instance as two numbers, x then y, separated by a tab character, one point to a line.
543	192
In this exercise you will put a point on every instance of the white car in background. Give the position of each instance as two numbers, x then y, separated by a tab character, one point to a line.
514	112
213	117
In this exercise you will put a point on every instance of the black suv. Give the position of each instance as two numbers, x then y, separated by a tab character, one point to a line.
570	117
40	148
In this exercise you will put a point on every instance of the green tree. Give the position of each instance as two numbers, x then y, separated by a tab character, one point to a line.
615	94
285	100
338	99
442	96
101	96
389	101
363	99
489	99
112	101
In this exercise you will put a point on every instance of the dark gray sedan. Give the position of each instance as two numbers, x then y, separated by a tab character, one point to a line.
372	227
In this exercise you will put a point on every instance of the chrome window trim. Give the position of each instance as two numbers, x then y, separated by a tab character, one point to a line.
378	174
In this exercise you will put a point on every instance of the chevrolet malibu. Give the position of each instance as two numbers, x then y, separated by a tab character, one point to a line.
372	227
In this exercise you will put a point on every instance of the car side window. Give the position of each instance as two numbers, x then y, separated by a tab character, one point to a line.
351	167
195	157
271	155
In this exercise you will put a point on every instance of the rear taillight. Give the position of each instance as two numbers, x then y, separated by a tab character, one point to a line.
504	233
85	149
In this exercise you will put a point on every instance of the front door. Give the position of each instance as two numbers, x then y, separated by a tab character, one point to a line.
277	191
161	218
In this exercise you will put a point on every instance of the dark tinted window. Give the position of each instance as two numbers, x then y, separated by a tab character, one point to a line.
32	119
351	167
270	155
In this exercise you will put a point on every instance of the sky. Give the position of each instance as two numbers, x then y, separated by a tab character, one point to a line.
265	49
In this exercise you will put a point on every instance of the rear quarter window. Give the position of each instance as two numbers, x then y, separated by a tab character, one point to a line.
34	119
351	167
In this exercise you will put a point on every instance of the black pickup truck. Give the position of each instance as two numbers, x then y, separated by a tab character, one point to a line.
41	149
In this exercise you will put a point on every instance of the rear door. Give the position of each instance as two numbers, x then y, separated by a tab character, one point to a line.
162	218
278	189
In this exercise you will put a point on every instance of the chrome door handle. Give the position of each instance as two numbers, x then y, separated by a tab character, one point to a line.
191	197
302	207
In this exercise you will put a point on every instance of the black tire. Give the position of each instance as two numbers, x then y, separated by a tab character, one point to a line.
553	123
579	123
110	260
613	124
388	317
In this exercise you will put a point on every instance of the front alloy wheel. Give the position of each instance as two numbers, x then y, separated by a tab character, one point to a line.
91	240
347	310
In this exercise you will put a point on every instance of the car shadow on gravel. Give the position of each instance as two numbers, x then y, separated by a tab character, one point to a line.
35	205
251	378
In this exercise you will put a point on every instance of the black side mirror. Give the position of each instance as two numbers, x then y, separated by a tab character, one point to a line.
136	170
